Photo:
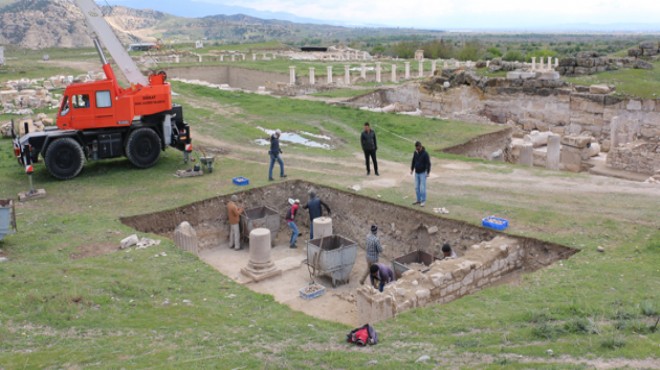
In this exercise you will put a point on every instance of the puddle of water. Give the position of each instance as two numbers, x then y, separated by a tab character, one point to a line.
294	138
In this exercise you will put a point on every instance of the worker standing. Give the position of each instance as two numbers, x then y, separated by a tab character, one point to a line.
290	220
373	250
369	147
275	154
421	166
315	210
234	215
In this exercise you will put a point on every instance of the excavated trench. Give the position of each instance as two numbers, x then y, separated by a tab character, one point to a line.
489	257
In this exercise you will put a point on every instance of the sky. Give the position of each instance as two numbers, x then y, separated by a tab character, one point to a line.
427	14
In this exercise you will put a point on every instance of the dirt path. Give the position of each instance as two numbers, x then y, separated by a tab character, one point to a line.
336	304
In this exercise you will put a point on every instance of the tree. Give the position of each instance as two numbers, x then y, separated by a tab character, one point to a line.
470	51
513	56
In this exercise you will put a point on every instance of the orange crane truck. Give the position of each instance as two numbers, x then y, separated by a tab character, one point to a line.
101	119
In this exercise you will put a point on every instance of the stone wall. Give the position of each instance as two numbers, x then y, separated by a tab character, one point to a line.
536	104
232	76
408	231
646	49
641	157
481	265
589	62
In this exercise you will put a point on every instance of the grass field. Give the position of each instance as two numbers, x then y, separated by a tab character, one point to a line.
634	82
163	308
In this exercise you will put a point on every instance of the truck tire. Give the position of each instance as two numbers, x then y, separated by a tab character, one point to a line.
64	158
143	147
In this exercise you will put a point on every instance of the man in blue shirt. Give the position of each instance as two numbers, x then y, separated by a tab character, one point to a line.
315	210
421	165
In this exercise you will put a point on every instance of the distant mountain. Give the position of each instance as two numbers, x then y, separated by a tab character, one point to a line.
58	23
200	9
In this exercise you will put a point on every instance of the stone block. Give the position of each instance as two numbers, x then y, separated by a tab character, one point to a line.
634	105
550	76
185	238
438	279
571	159
526	155
600	89
423	296
576	141
129	241
648	105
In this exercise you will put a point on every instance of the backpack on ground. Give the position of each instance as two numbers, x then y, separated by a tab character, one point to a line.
365	334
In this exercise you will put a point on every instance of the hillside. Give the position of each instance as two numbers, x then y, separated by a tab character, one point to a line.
59	23
37	24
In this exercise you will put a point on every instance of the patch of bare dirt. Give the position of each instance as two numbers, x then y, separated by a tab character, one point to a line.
93	250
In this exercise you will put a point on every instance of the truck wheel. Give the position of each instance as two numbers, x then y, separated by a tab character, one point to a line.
143	147
64	158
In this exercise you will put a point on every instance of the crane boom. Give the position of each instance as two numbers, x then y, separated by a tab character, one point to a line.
104	33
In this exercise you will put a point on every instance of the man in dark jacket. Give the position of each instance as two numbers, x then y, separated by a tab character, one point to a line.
421	165
274	153
382	273
369	146
315	210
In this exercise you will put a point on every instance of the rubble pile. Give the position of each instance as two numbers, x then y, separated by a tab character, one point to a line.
22	96
590	62
645	50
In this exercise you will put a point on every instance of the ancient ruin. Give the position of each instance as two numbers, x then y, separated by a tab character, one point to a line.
585	118
486	256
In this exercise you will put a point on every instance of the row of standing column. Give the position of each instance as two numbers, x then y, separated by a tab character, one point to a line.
363	73
543	67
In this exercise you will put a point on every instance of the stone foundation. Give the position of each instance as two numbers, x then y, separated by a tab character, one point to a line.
481	265
534	104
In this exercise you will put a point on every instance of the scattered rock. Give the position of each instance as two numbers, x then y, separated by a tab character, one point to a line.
423	358
4	259
549	352
129	241
355	187
372	362
600	249
146	243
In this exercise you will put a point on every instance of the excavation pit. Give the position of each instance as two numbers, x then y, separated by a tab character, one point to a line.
417	260
486	257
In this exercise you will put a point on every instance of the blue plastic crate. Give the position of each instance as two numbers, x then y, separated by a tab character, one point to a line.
495	223
315	290
240	181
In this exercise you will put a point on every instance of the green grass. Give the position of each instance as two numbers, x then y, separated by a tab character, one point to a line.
634	82
24	63
487	73
126	308
395	132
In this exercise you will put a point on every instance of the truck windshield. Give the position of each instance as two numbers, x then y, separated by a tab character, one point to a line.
64	108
